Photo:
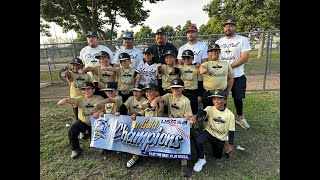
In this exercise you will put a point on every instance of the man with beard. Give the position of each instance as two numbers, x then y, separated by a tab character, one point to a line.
88	54
159	48
235	50
198	48
136	55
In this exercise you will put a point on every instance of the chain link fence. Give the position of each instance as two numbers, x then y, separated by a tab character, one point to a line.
263	74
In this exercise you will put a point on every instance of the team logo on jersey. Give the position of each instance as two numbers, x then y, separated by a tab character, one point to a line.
135	107
219	120
89	107
216	66
80	79
174	106
105	75
127	75
188	71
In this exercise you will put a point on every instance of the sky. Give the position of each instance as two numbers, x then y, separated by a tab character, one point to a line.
167	12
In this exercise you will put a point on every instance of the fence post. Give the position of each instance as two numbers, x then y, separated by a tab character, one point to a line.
266	65
48	61
270	55
74	49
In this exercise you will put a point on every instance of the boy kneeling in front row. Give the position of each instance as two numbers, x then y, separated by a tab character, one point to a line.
220	128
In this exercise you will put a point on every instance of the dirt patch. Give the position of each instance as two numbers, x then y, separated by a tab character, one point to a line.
254	83
55	90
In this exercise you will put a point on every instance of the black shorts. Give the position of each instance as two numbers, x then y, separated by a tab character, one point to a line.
239	87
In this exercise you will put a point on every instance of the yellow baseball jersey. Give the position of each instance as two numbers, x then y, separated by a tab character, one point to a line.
112	108
190	75
151	112
166	77
75	83
86	107
125	78
177	107
219	122
216	76
132	105
104	76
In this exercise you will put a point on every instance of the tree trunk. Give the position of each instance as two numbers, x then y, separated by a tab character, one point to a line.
81	25
94	15
112	24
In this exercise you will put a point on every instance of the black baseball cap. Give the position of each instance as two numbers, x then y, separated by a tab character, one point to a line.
170	52
148	50
192	28
92	33
151	86
87	85
187	53
230	21
177	82
102	54
161	30
124	56
127	35
138	87
76	61
214	47
218	93
110	86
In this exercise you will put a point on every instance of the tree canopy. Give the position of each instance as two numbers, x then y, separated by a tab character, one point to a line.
251	15
92	15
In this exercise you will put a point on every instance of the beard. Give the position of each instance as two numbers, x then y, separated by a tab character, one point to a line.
229	33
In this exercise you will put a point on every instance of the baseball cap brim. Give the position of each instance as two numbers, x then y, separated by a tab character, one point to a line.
75	63
213	49
122	59
187	56
91	35
211	96
87	87
107	89
136	89
229	23
175	86
97	57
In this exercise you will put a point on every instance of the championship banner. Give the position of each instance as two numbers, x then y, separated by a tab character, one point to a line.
161	137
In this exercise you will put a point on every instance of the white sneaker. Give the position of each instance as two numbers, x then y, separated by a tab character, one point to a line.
242	122
198	166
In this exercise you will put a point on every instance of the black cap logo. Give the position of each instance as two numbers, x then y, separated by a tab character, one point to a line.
175	82
216	91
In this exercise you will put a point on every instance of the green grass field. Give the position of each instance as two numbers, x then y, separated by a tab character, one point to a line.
259	160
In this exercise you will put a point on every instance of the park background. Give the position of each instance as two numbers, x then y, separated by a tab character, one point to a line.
257	20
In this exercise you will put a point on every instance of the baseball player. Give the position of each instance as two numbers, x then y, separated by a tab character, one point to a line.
86	107
75	80
135	54
131	106
169	71
147	69
103	75
126	76
216	74
151	91
220	128
88	53
178	107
